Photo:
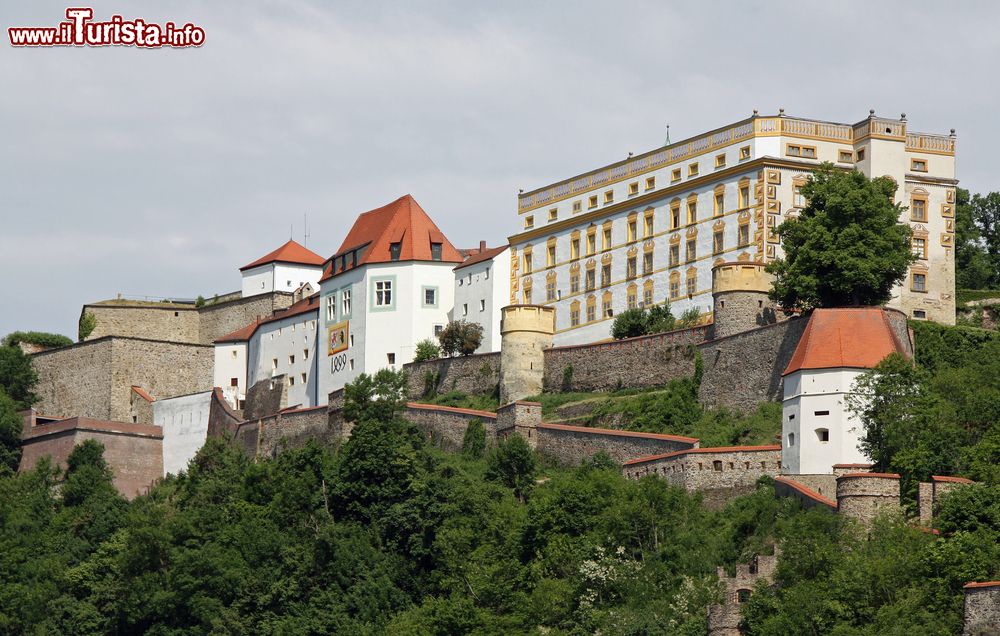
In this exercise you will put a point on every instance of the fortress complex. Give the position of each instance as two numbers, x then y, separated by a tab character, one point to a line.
648	229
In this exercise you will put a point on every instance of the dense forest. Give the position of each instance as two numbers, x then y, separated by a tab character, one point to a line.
386	534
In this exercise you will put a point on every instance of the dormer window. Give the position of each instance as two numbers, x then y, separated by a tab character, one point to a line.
435	252
395	249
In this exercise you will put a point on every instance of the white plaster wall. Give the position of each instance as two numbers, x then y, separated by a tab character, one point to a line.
288	278
184	421
337	370
805	393
258	280
483	284
231	362
293	336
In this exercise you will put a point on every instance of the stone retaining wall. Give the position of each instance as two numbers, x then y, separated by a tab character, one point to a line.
445	426
293	429
734	468
982	609
645	361
863	496
790	487
477	374
570	445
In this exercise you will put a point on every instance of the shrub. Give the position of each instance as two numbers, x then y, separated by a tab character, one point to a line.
88	322
460	338
567	379
39	338
427	350
641	321
474	442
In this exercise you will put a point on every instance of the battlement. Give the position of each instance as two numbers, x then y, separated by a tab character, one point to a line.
724	619
741	276
528	318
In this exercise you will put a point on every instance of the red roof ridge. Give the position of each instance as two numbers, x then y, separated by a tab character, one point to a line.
290	252
975	584
143	394
449	409
484	255
844	337
613	431
703	450
806	490
878	475
953	480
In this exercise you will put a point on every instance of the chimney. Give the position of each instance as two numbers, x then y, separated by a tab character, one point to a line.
482	246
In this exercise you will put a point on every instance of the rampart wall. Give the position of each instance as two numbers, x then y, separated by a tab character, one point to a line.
863	496
477	374
75	380
218	319
810	498
982	609
445	426
570	445
170	322
644	361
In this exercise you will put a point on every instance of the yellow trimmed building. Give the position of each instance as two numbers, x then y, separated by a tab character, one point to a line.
649	229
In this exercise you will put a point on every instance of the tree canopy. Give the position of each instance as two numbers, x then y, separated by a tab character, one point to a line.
460	337
846	247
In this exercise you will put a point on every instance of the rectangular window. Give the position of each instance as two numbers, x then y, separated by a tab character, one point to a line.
395	249
794	150
720	203
574	317
592	202
918	210
305	354
574	249
920	247
590	280
605	275
550	256
650	183
918	165
607	239
345	302
550	290
390	358
648	225
529	222
274	364
720	161
920	314
647	296
383	293
633	232
591	313
744	197
647	263
675	216
630	268
591	243
919	283
692	211
798	201
744	153
577	206
234	382
331	307
553	214
693	169
846	156
718	245
692	284
291	380
630	300
633	188
675	288
482	305
821	413
574	283
675	174
465	309
302	377
606	310
861	154
527	261
609	197
435	251
291	360
743	236
430	296
675	251
691	252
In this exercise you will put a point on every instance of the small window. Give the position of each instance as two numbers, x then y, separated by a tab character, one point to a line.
302	377
791	417
743	237
482	305
820	413
918	165
919	283
633	188
650	183
609	197
465	309
305	354
861	154
577	206
291	380
395	249
720	161
234	354
438	329
350	364
435	251
553	214
918	210
675	175
920	314
592	202
693	169
291	359
234	382
823	434
390	358
742	596
274	364
791	439
430	296
717	466
846	156
383	293
529	222
744	153
920	248
744	197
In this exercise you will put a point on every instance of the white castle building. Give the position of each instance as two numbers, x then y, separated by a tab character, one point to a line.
481	283
648	229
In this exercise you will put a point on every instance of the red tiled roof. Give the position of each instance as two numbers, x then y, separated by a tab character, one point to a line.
403	221
877	475
976	584
450	409
854	337
952	480
290	252
705	450
244	334
615	431
142	393
482	255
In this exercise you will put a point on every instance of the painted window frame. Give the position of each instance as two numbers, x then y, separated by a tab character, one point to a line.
423	296
393	290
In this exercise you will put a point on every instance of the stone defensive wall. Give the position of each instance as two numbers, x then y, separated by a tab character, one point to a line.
726	470
863	496
645	361
791	487
725	619
95	378
477	374
930	494
982	609
445	426
181	322
570	445
744	369
134	450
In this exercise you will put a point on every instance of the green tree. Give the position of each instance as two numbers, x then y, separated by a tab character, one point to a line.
644	320
10	435
474	442
974	268
378	398
460	337
39	338
88	322
512	463
17	376
427	350
846	247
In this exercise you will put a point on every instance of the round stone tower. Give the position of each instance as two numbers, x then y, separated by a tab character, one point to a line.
864	495
525	331
739	295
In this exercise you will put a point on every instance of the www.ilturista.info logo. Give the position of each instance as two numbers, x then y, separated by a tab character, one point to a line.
80	30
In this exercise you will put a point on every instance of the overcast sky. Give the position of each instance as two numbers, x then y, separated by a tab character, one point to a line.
161	172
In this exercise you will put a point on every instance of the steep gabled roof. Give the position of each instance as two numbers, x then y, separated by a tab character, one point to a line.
290	252
403	221
850	337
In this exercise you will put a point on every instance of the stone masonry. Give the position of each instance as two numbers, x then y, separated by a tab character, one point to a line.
863	496
477	374
982	609
724	619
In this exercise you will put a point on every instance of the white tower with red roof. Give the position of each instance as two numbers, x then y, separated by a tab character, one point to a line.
284	270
